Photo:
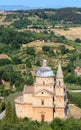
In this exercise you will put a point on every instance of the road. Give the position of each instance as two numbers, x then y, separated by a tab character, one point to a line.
2	115
75	91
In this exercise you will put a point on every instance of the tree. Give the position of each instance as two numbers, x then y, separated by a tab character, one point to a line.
22	23
63	49
37	63
77	40
70	67
72	123
62	37
28	63
31	51
17	60
0	107
14	77
29	79
80	56
57	124
14	117
45	48
73	57
8	113
70	78
4	62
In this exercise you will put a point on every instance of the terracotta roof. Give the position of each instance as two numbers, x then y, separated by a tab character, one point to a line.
78	68
28	89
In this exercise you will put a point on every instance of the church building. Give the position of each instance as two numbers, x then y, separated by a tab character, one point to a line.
46	99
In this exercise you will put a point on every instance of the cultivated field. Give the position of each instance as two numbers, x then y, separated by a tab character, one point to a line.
4	56
71	33
39	44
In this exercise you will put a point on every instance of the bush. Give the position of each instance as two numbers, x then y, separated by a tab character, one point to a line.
31	51
70	78
28	63
4	62
29	79
37	63
63	49
22	23
16	60
45	48
78	40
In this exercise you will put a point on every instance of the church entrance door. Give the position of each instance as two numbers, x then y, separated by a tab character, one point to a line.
42	117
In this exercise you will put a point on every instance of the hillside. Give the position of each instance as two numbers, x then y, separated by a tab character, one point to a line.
51	34
47	17
29	36
51	27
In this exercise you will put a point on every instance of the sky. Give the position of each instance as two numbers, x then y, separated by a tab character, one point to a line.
43	3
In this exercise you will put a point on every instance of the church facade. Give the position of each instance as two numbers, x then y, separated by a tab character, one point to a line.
46	99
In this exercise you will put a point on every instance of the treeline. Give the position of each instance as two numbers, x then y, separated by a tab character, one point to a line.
15	39
7	73
52	16
65	14
21	23
26	124
12	37
74	98
68	14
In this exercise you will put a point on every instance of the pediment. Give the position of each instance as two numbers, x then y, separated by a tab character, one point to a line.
44	93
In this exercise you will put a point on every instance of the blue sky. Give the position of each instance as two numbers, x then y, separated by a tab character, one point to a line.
43	3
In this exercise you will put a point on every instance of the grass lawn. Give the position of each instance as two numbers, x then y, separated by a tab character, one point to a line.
73	86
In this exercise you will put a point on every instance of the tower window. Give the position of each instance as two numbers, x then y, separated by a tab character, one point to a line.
42	102
59	83
43	82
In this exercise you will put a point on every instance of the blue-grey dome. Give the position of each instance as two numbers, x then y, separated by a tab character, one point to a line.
45	71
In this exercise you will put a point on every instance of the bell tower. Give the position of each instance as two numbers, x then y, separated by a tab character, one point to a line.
59	77
60	95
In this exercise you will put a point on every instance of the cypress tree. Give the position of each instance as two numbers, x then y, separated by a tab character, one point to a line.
8	113
0	107
14	117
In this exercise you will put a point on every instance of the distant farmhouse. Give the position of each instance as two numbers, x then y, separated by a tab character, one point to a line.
45	100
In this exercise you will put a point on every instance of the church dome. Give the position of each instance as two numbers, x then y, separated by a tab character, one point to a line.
45	71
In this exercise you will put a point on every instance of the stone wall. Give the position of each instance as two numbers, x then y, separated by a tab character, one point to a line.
24	110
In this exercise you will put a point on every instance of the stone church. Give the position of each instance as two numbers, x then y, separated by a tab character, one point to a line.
46	99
